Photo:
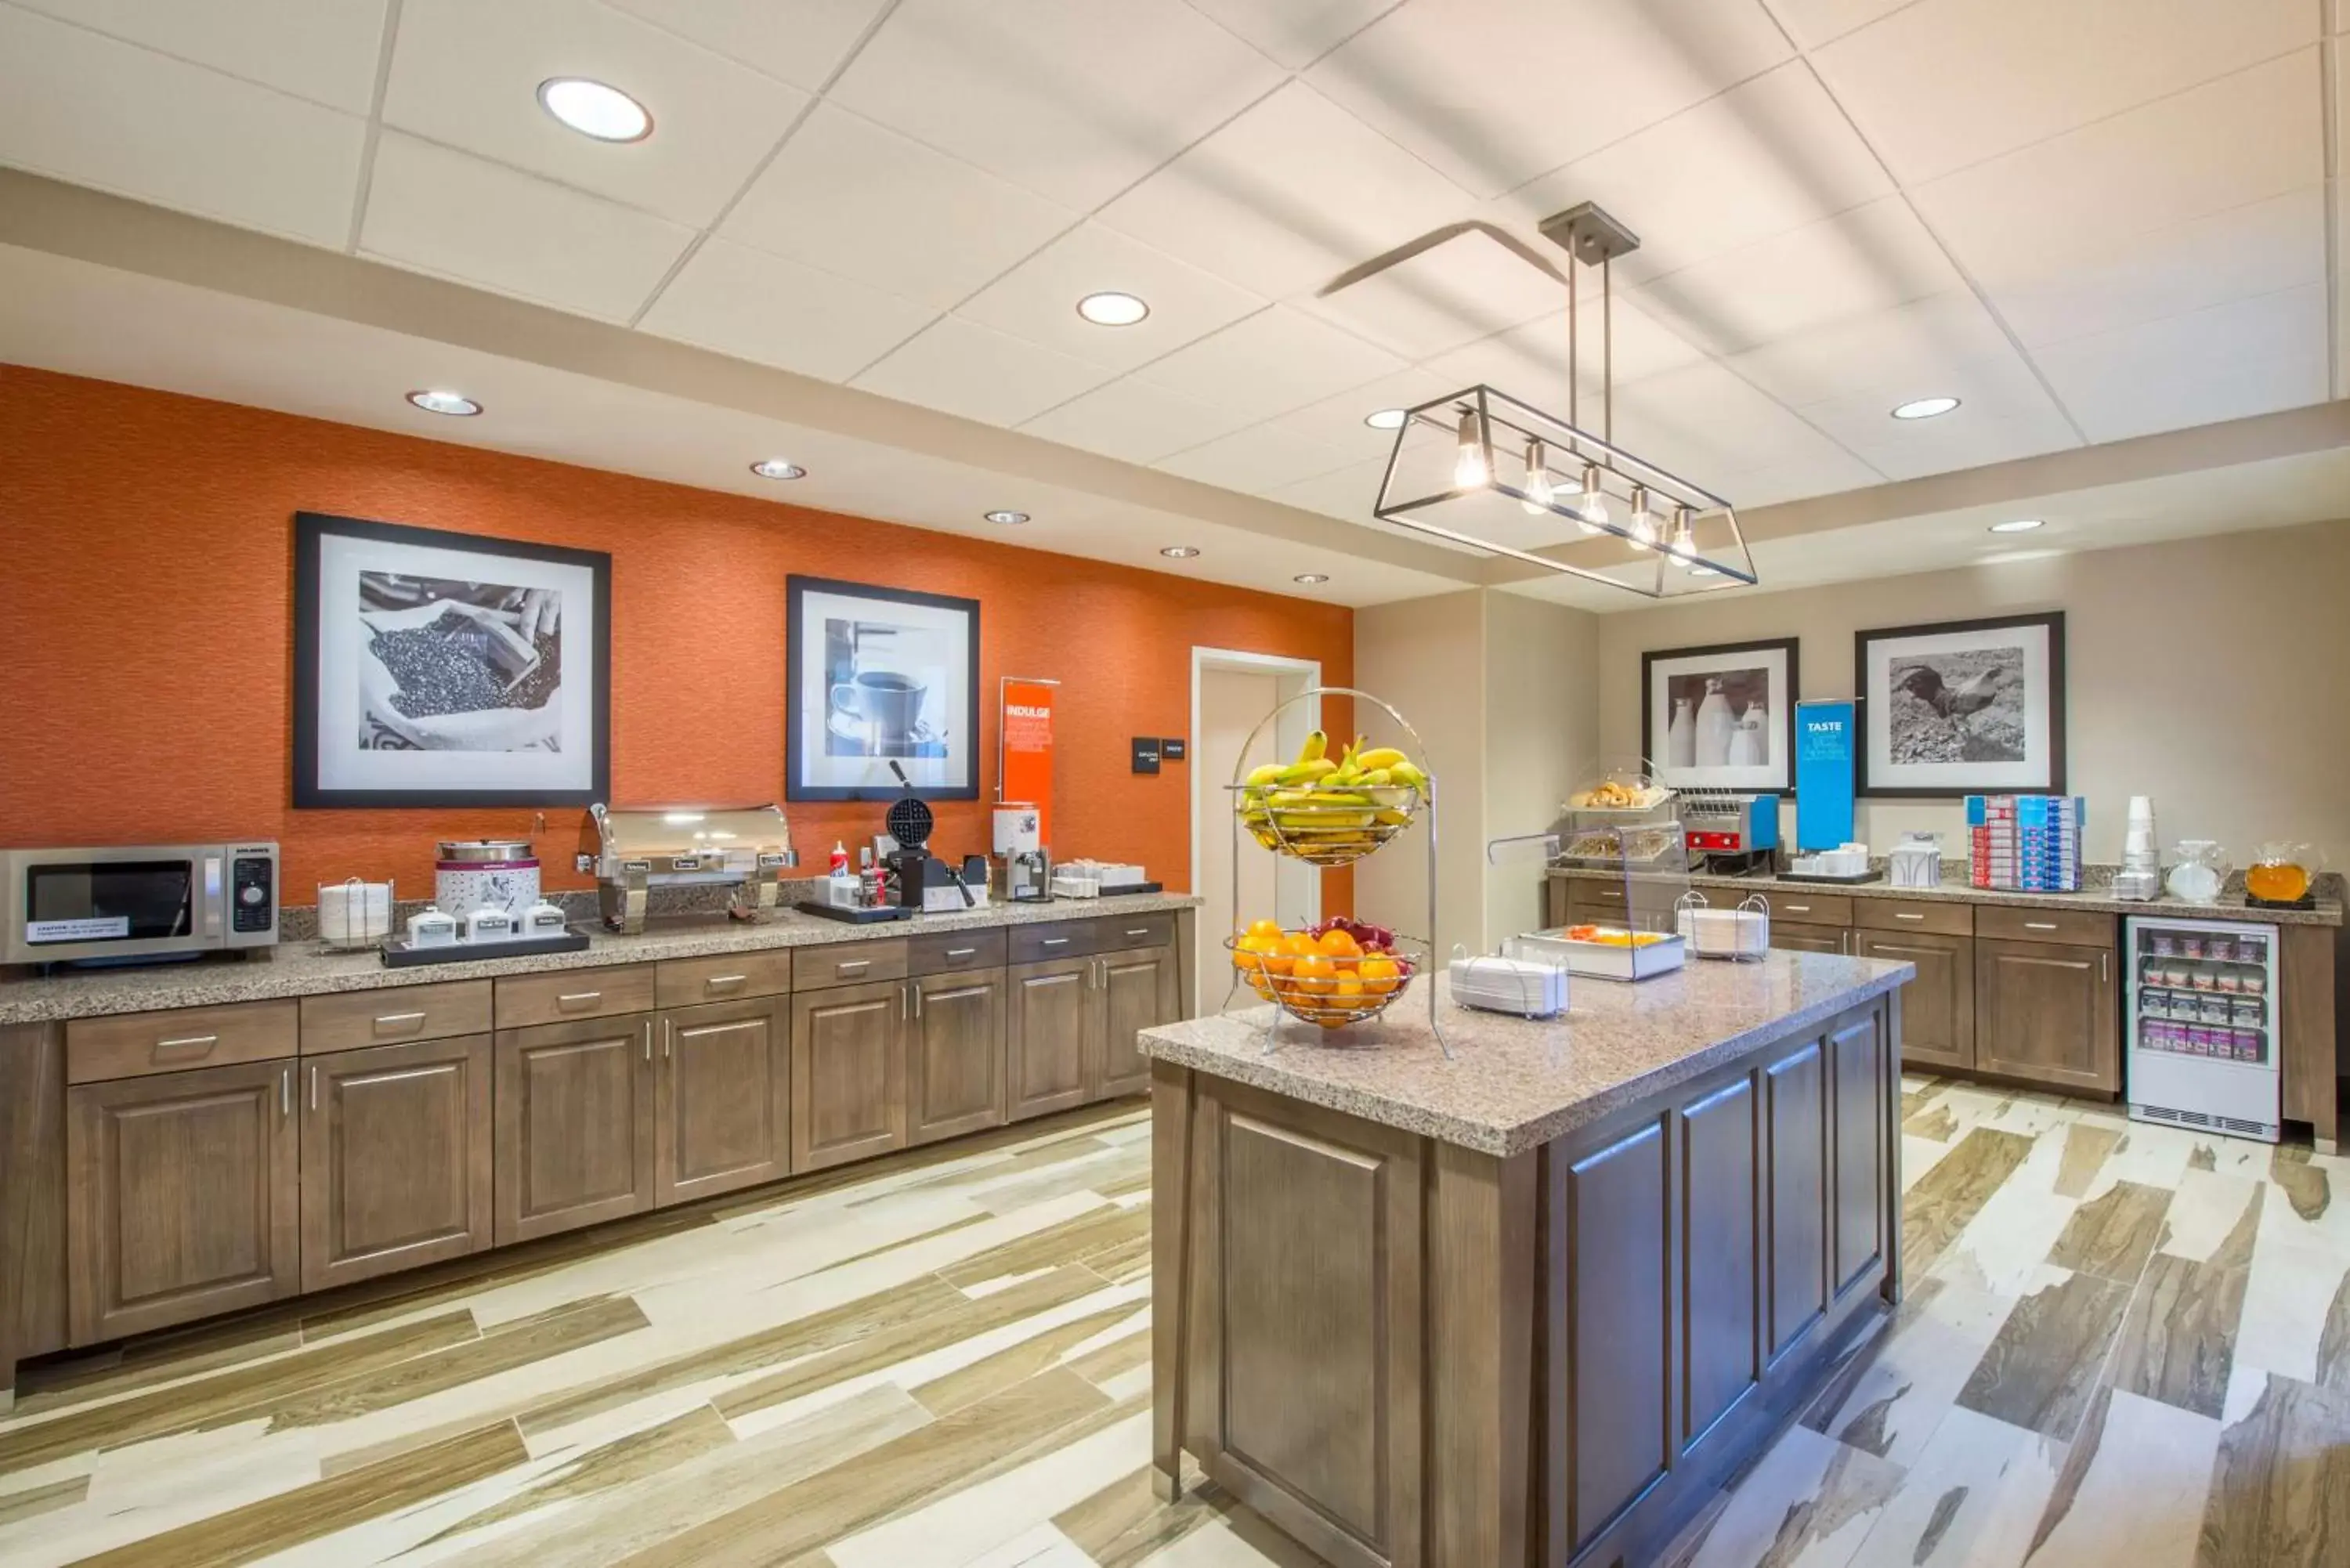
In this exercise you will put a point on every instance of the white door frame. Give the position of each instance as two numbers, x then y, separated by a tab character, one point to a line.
1298	887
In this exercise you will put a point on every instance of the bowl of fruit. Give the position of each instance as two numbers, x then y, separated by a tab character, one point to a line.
1338	972
1331	813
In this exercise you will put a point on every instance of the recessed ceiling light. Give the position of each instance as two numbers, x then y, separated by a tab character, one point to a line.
1385	419
1311	578
1924	407
2019	526
1179	552
1111	308
444	403
592	109
779	468
1007	517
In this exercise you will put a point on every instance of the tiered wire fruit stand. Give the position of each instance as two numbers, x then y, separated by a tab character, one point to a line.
1325	822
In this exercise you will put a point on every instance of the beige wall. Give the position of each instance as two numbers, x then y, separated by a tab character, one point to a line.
1542	739
2212	674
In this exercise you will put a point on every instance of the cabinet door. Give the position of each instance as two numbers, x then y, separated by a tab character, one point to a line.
1048	1018
181	1197
1937	1009
955	1055
1137	992
722	1109
1790	936
2047	1012
575	1124
395	1157
848	1073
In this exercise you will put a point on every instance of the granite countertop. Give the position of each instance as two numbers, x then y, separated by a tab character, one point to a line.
1514	1083
306	969
2092	900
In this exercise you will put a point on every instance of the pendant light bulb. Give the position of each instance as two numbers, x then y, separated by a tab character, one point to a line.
1647	531
1683	545
1539	494
1469	469
1593	506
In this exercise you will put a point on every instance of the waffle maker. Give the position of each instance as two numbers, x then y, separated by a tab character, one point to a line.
913	871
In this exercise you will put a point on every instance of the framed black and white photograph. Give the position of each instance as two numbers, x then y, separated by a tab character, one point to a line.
1963	707
1721	717
874	675
433	669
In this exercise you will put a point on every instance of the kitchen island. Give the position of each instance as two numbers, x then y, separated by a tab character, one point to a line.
1533	1303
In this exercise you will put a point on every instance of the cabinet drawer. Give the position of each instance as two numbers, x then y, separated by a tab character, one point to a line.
849	963
1803	907
2073	928
1593	893
1948	918
689	982
353	1019
1054	939
944	952
523	1000
1119	932
133	1045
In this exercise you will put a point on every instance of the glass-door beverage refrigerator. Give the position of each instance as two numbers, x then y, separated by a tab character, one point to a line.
2203	1025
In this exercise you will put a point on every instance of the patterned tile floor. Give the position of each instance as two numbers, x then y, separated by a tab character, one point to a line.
2121	1344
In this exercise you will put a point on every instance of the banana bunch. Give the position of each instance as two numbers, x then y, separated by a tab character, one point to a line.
1331	812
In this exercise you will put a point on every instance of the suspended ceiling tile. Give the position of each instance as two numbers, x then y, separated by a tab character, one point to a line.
1132	421
1255	459
323	50
1944	84
1887	358
980	373
802	42
1288	197
1821	471
1038	299
1815	22
1495	92
857	199
2004	412
2117	281
2242	139
482	222
2247	356
1469	286
1868	260
467	75
1529	362
1767	156
104	113
1338	421
1296	33
1276	361
753	306
1074	99
1705	419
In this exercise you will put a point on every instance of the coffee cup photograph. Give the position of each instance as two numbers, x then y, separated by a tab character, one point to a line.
881	676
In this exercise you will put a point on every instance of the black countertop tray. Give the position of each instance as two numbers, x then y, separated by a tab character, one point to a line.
398	954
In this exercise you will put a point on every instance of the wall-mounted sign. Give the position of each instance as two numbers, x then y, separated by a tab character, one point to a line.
1024	755
1146	753
1823	763
1170	749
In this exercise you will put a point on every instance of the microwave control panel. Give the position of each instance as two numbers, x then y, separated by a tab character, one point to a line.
252	891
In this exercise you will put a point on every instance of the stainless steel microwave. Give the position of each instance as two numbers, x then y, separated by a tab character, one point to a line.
144	901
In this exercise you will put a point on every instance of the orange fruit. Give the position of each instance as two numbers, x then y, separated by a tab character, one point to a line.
1313	976
1297	945
1380	976
1338	943
1350	993
1268	929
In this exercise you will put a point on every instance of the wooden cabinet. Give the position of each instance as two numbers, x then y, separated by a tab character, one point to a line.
721	1106
395	1157
1047	1008
1938	1009
2047	1012
849	1073
575	1125
955	1055
1136	990
182	1197
1789	937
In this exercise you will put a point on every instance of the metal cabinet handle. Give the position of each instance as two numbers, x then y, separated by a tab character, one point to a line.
917	991
1901	915
720	981
1055	941
2104	974
397	1020
313	1089
962	952
845	965
285	1093
1796	908
188	1042
578	998
1144	931
2039	925
648	1039
669	1038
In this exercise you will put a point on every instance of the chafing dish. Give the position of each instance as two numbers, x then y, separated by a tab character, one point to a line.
631	852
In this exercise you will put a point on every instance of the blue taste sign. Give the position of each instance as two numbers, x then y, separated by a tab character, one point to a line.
1824	759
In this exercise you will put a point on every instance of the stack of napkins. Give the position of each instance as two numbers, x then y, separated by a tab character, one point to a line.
1510	985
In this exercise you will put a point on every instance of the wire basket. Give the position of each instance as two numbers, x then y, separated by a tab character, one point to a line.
1334	993
1324	827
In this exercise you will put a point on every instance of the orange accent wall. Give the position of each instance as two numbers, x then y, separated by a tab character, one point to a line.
146	658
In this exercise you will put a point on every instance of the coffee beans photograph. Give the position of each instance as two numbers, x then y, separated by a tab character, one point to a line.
458	666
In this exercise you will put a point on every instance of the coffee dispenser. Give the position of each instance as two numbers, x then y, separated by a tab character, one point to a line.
1024	869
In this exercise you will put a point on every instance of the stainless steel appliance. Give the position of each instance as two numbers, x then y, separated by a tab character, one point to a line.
1024	867
1728	827
138	902
631	852
2203	1021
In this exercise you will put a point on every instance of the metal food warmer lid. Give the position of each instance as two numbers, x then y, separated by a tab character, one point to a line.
681	843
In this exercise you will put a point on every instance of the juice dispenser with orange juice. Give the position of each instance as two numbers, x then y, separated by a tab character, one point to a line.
2280	873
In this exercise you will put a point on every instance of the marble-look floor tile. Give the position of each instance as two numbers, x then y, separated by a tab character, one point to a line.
2306	1185
1918	1156
32	1502
1974	1496
2087	1146
649	1452
2112	1236
2178	1341
2296	1316
2214	1214
1808	1504
2130	1493
1939	1206
1894	1395
2279	1492
2042	1366
2145	1153
2008	1239
1124	1523
1040	1547
992	1373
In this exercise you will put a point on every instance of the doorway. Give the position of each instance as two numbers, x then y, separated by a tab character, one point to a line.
1231	692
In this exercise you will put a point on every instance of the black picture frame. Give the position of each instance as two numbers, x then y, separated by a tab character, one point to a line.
803	744
1789	649
1990	778
312	530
